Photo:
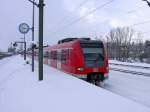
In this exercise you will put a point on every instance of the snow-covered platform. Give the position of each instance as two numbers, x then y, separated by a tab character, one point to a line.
20	91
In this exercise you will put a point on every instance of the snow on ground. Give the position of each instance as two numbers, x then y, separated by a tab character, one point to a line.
134	87
127	63
20	91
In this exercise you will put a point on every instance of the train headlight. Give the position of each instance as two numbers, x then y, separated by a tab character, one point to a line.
80	69
107	68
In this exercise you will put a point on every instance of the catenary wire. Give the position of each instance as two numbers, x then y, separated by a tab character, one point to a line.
82	17
68	17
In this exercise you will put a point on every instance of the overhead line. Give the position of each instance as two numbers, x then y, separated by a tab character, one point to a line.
82	3
92	11
99	7
135	10
146	32
140	23
130	11
66	17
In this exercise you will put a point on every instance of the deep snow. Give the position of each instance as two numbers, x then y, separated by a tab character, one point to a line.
20	91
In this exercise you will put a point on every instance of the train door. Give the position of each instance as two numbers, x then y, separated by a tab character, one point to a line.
59	59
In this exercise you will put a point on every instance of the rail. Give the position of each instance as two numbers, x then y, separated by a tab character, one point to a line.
4	56
133	66
131	72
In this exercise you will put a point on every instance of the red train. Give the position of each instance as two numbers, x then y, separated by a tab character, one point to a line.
81	57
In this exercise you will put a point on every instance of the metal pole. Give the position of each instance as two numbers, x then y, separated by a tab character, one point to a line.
24	48
41	6
33	36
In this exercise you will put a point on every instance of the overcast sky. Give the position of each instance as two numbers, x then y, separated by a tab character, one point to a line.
60	15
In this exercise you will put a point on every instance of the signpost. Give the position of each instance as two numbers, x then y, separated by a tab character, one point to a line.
24	28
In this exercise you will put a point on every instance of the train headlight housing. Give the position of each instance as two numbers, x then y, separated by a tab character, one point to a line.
107	68
80	69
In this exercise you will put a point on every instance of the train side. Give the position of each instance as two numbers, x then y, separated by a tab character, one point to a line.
86	59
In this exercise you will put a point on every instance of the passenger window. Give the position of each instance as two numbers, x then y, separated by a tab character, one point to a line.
59	56
46	54
49	55
53	55
69	52
63	56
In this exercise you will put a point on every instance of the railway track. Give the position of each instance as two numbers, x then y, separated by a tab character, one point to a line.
133	66
131	72
4	56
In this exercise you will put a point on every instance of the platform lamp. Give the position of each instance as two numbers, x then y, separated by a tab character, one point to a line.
40	5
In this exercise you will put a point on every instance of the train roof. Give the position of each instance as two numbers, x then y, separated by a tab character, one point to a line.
82	40
71	39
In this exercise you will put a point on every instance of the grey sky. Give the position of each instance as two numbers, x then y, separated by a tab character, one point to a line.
14	12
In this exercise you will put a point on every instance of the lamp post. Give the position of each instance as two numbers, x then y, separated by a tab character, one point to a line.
41	10
33	16
24	40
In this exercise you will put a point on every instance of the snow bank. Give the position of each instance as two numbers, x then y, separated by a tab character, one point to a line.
20	91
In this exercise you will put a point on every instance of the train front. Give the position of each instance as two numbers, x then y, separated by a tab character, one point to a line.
92	61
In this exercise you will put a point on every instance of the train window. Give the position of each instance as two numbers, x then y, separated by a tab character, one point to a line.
53	55
91	44
59	56
93	53
69	52
63	56
93	57
46	54
93	50
49	55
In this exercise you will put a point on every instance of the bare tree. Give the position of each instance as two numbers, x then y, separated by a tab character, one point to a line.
147	50
119	42
137	47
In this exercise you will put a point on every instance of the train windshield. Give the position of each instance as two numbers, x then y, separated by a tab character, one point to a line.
93	54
